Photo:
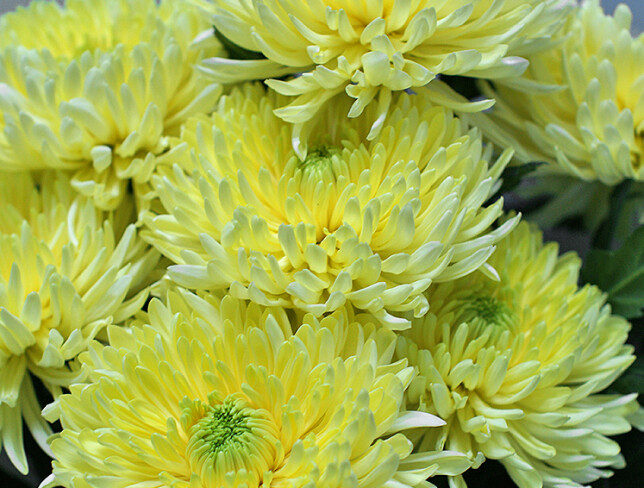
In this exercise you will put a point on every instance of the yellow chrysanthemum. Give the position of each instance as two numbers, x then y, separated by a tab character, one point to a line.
366	223
589	122
370	48
220	394
64	275
514	367
96	88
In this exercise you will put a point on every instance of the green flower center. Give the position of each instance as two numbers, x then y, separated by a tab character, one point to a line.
230	437
319	163
223	427
483	312
320	156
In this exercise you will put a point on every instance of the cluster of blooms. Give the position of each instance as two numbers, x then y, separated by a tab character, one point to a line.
270	252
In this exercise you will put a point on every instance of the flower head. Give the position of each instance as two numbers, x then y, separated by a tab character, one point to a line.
514	367
64	275
370	49
366	223
580	105
220	394
96	89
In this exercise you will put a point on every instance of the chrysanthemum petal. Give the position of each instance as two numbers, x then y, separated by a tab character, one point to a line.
65	274
371	49
219	393
579	106
98	90
514	367
366	223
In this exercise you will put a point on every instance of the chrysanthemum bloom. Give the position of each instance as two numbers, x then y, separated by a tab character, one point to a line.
514	367
366	223
589	122
96	87
225	395
371	49
64	275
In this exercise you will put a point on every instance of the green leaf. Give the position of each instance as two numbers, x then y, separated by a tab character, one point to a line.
512	176
605	234
620	274
632	381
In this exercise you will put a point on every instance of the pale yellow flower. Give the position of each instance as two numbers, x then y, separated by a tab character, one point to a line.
580	106
371	224
212	393
64	275
96	88
371	49
514	367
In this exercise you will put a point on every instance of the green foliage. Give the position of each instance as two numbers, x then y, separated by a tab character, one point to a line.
617	212
512	176
620	274
632	381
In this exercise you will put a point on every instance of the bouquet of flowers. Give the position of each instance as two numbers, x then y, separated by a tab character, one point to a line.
296	243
